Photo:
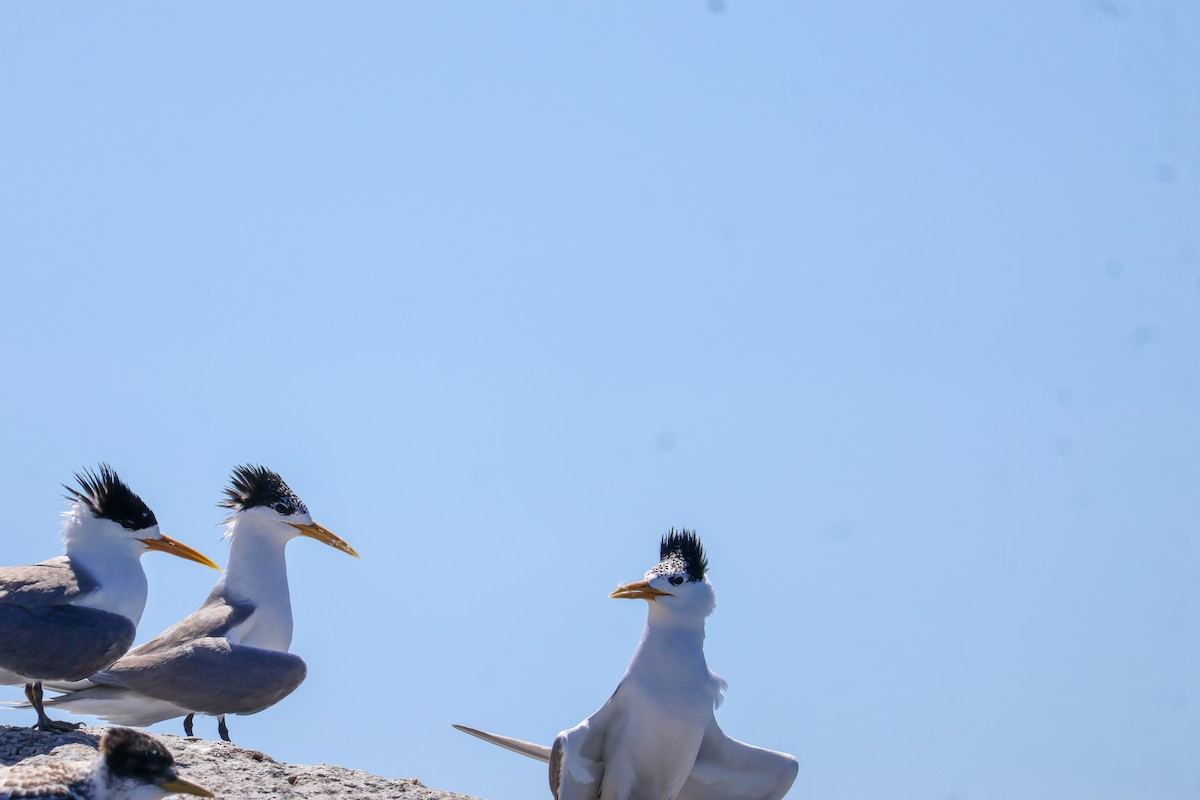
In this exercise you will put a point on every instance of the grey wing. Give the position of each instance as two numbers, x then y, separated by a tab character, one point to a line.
727	769
215	618
211	675
53	582
61	642
577	759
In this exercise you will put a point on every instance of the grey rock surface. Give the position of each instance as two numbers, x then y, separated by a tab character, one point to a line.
231	772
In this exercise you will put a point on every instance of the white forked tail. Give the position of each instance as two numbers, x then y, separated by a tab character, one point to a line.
534	751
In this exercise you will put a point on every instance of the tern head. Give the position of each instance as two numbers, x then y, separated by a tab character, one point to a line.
106	513
678	584
138	766
259	494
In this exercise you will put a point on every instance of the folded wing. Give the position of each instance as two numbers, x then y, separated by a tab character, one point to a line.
61	642
212	676
50	583
577	759
42	635
190	667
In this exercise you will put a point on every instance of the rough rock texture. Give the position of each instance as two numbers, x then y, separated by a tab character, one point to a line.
231	772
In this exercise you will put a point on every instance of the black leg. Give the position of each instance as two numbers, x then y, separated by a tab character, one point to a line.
33	691
187	725
221	729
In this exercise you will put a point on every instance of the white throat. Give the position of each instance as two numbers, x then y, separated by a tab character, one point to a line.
257	573
110	787
672	647
112	556
669	659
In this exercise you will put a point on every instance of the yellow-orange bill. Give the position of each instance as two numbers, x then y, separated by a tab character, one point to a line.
642	590
166	544
183	786
325	536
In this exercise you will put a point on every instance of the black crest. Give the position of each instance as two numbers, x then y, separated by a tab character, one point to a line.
252	486
682	552
133	754
107	497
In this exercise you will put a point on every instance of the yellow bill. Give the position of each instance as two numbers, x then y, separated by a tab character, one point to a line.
642	590
165	544
183	786
325	536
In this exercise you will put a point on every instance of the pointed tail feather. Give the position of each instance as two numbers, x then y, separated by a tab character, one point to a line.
534	751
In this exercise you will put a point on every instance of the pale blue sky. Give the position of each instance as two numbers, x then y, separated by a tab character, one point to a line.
896	304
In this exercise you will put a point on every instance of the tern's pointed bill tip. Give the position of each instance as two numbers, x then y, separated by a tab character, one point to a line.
182	786
642	590
325	536
165	544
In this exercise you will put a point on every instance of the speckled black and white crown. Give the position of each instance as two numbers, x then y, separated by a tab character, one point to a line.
107	497
252	486
681	552
133	754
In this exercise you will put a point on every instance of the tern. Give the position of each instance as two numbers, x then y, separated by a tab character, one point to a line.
65	618
231	655
657	737
132	766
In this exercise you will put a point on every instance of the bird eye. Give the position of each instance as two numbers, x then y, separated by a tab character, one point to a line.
281	508
676	580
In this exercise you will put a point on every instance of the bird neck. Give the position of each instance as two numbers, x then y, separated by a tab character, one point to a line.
108	786
257	573
100	777
673	641
115	566
675	627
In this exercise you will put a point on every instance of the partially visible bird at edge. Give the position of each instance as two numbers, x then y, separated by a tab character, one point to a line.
657	737
131	765
68	617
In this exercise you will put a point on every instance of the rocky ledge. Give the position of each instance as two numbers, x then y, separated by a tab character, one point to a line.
231	772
